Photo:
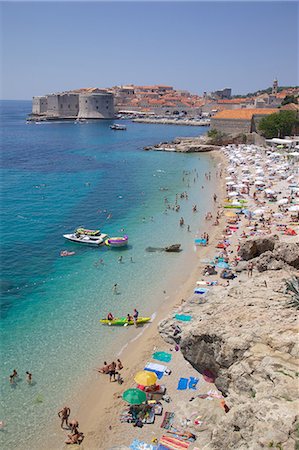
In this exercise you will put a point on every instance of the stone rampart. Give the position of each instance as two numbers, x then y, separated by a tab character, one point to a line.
73	105
96	106
231	125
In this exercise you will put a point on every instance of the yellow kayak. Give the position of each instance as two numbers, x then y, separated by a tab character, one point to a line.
123	321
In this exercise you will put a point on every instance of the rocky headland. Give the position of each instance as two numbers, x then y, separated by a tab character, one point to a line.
247	336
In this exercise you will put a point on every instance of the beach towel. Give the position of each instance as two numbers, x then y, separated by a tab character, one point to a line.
158	369
167	420
140	445
183	384
193	383
200	291
183	317
162	356
200	241
173	443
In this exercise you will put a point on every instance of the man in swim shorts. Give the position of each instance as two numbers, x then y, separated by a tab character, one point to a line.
64	414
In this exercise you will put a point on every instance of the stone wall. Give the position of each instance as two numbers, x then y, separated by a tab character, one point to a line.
53	105
39	105
73	105
68	105
96	106
231	125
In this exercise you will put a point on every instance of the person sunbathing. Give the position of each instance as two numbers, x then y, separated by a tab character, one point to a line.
104	369
76	438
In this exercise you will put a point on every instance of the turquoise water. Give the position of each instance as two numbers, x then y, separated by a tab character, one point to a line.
54	177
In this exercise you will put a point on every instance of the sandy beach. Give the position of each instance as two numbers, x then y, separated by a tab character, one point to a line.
101	403
99	412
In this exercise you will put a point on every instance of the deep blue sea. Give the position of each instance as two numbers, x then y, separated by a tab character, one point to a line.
54	178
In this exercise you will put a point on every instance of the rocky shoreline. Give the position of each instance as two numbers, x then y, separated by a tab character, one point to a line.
247	336
195	123
185	145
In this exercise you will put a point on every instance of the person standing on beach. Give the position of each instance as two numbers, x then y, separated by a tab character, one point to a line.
112	372
119	365
64	414
114	289
250	268
135	316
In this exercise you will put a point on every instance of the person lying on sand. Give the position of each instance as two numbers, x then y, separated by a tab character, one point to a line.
75	438
104	369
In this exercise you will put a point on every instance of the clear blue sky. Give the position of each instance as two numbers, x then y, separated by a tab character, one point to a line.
198	46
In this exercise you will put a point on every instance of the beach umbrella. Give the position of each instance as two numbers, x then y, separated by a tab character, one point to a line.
230	214
269	191
277	215
228	178
233	194
290	177
230	183
259	183
145	378
283	201
134	396
294	208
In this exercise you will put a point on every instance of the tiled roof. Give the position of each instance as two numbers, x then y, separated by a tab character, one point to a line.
243	114
233	101
290	107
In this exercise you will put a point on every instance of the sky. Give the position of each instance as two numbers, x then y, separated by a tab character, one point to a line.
198	46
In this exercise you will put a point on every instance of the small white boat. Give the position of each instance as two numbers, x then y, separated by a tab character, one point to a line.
86	239
117	126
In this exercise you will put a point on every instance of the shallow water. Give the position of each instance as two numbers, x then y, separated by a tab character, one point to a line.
55	177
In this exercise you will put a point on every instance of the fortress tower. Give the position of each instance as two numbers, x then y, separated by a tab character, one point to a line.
274	87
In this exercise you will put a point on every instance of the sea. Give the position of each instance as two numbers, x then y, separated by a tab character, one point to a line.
56	176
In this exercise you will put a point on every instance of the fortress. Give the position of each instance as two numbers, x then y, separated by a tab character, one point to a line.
81	104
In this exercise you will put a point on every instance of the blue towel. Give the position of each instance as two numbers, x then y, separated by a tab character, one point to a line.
159	374
183	384
192	383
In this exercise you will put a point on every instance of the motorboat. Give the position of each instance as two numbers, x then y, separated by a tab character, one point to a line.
88	237
117	241
117	126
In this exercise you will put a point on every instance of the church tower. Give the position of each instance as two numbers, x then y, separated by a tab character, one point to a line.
274	87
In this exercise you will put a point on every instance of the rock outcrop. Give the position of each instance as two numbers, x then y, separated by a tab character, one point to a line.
254	247
247	337
270	253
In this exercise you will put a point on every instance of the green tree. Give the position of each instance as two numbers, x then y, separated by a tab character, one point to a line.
278	124
289	99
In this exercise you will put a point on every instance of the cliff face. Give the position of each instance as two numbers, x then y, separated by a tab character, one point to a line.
247	337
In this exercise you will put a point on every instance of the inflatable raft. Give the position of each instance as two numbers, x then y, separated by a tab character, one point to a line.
117	241
121	321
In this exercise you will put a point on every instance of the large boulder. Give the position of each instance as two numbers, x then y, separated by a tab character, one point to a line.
287	252
254	247
267	261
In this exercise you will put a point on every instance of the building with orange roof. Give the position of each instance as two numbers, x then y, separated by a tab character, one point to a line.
237	121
